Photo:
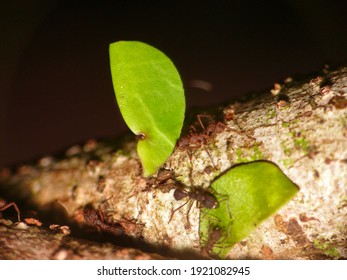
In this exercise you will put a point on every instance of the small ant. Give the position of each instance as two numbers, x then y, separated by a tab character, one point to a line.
203	198
216	239
165	179
195	140
213	238
214	127
94	218
216	236
4	205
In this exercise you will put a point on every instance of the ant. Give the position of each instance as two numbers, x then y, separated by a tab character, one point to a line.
4	205
203	198
216	237
195	140
199	138
165	179
94	218
213	127
213	238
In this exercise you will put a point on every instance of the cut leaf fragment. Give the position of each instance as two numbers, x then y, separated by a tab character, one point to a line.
150	96
248	194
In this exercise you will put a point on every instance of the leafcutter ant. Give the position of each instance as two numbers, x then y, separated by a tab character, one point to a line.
217	236
216	239
165	179
4	205
197	139
95	218
211	126
203	198
213	238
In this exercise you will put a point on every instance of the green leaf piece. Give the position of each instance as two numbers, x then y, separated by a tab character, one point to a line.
150	96
248	194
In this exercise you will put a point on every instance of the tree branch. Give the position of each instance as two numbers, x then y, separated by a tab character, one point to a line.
302	127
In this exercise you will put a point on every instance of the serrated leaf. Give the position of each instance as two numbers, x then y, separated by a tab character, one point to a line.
248	194
150	96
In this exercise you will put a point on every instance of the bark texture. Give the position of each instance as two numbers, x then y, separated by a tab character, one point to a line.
20	241
301	126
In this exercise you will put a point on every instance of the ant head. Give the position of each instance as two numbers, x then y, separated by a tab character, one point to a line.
90	216
164	174
210	202
180	193
219	127
183	142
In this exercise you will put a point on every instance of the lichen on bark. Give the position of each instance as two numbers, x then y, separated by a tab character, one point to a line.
303	129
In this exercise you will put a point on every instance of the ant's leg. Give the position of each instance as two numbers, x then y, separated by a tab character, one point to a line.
209	155
210	120
174	211
199	117
14	206
240	131
190	207
190	156
191	177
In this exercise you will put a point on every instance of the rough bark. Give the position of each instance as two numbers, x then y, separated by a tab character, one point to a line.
301	126
20	241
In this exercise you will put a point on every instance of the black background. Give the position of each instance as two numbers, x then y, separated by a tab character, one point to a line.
56	87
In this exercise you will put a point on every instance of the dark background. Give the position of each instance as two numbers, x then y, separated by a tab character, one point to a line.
55	82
